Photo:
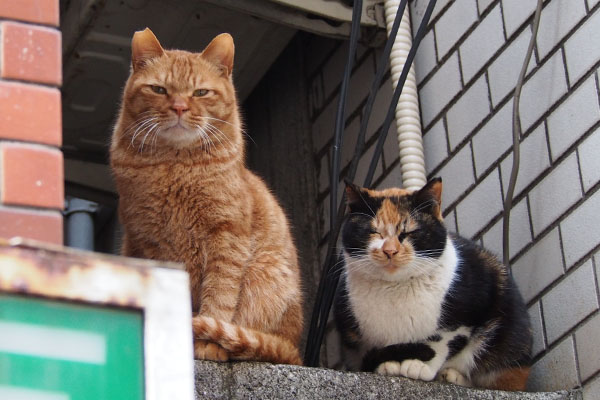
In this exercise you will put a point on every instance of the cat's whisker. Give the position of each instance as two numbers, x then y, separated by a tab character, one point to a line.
217	132
148	132
360	213
367	204
229	123
142	127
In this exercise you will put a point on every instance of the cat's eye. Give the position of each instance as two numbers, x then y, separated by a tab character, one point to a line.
200	92
375	232
158	89
404	234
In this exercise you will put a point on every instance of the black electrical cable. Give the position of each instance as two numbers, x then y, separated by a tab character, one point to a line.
330	276
517	138
312	350
329	280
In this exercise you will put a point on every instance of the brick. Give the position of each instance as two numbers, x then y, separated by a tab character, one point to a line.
476	210
44	226
597	262
557	19
539	266
425	59
392	180
468	111
556	370
31	176
578	113
315	96
537	96
581	50
516	12
591	390
533	161
30	53
324	174
363	167
482	44
380	107
519	232
589	160
483	5
546	205
30	113
324	220
450	222
493	139
349	144
360	84
587	347
453	24
333	70
418	8
440	89
457	175
563	310
434	145
535	316
504	71
38	11
579	233
322	128
391	149
320	47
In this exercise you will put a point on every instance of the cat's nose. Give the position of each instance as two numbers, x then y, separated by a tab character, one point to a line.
179	106
390	252
389	249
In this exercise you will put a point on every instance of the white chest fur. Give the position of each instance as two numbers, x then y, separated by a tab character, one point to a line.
391	312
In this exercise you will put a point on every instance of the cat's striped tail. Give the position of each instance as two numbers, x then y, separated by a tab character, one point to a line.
244	343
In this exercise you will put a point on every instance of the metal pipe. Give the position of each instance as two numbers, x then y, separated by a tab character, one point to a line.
79	214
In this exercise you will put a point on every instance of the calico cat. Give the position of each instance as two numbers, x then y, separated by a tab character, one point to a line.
177	155
424	303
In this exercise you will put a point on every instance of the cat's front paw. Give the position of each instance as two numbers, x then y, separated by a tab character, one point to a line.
389	368
416	369
453	376
204	350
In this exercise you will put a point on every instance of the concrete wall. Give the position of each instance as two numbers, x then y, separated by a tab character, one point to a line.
467	70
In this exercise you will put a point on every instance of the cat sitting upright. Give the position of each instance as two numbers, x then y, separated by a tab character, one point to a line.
419	302
177	156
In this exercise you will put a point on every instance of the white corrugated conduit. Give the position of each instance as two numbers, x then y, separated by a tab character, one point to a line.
408	120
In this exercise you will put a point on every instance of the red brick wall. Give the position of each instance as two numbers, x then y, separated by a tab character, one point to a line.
31	163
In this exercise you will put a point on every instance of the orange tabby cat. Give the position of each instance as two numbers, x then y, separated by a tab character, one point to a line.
177	155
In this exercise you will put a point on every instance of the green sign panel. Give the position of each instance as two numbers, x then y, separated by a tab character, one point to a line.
53	350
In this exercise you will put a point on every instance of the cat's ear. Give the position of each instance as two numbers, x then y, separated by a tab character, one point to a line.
144	46
429	198
356	198
220	52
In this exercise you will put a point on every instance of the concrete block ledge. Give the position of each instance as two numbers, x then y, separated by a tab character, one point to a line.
249	380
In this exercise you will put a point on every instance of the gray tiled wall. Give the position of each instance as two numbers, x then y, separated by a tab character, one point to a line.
466	102
467	69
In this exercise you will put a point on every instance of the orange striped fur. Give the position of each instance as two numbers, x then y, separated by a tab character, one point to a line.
246	344
177	155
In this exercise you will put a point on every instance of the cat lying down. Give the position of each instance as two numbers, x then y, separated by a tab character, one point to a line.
419	302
